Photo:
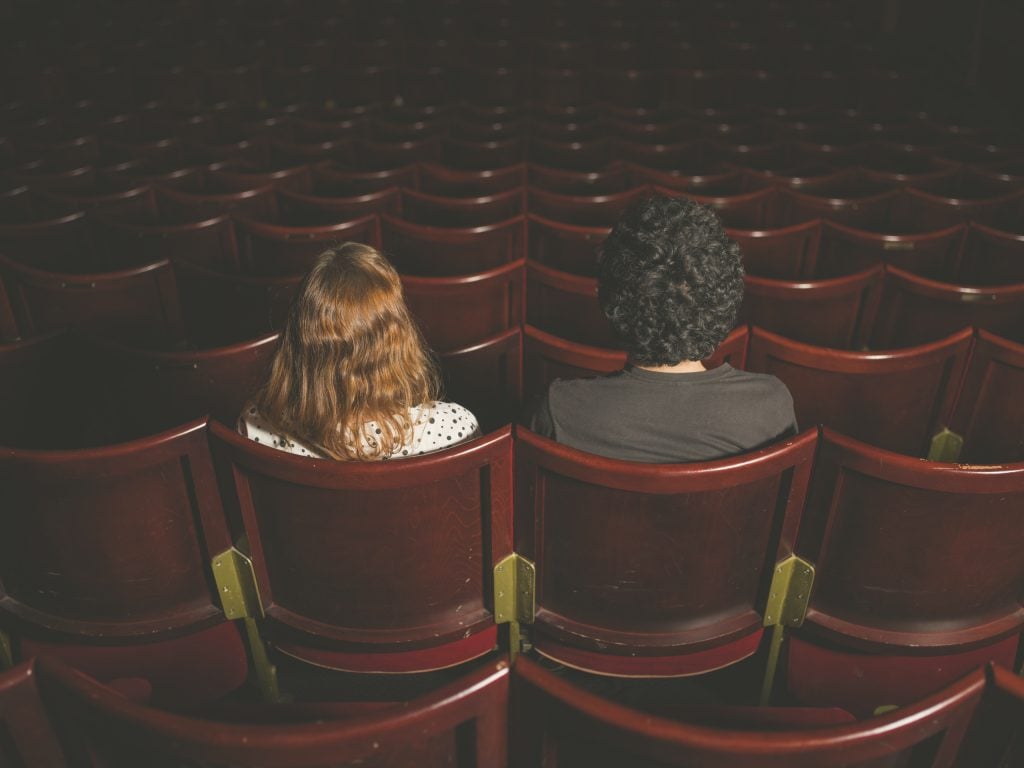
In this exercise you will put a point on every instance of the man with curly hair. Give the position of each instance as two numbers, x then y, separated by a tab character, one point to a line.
671	282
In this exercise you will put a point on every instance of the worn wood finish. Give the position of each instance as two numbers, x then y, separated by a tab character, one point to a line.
912	557
565	247
630	557
456	312
148	391
372	559
991	256
990	410
559	725
486	378
830	313
566	305
138	304
221	309
897	399
914	310
442	211
272	250
112	544
440	180
209	243
582	210
425	251
784	253
461	724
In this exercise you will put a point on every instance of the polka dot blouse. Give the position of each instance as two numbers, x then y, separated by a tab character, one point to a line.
435	427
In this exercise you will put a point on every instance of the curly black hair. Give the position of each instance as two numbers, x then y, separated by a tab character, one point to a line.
670	280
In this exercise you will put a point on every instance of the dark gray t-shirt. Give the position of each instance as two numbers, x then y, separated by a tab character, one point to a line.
663	418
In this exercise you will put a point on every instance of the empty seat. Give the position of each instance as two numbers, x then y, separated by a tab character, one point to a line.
459	725
918	575
138	303
915	309
297	178
221	309
58	242
609	181
566	305
486	377
147	391
444	211
991	256
386	566
336	182
897	399
565	247
311	210
258	203
830	313
274	249
455	312
495	153
624	586
580	155
586	211
439	180
108	562
558	723
846	249
747	210
210	242
989	410
416	249
785	253
936	211
385	155
865	211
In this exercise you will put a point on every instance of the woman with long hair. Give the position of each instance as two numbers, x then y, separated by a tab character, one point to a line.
352	378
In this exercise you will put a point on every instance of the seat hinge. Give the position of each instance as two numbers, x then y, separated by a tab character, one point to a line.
788	598
946	446
236	585
515	580
239	597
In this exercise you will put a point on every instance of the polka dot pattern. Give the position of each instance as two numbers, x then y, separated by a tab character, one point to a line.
448	423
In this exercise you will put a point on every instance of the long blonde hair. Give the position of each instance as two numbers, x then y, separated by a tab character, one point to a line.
350	354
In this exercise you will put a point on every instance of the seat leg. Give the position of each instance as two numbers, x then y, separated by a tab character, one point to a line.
265	672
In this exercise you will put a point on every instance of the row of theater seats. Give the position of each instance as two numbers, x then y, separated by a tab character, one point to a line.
133	226
952	398
153	558
495	717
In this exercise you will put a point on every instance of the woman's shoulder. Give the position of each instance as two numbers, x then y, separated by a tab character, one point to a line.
440	424
253	425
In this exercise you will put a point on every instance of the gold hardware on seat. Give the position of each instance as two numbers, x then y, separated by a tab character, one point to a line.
240	598
788	598
946	446
515	581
